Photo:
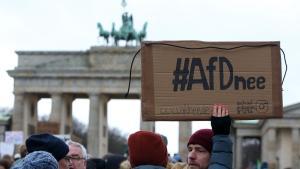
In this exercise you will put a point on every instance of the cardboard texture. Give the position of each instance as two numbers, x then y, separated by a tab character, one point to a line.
182	83
48	127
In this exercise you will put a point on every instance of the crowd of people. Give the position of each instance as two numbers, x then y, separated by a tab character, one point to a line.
207	149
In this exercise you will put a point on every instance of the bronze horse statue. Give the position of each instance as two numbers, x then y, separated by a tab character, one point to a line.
103	32
142	34
115	34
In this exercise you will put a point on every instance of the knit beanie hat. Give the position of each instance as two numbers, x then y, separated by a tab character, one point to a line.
49	143
37	160
147	148
202	137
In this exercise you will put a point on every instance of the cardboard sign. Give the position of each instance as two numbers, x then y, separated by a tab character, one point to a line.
48	127
182	80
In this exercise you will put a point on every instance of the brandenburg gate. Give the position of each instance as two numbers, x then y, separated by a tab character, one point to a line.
99	74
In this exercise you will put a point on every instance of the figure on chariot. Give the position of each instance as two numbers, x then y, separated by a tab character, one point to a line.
126	31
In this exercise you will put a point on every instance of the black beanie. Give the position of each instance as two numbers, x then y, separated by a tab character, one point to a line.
47	142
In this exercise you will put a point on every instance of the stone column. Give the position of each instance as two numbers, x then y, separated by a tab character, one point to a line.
69	115
97	128
295	148
104	132
238	152
56	107
34	116
271	147
30	115
233	139
66	115
185	131
147	125
18	112
26	115
57	117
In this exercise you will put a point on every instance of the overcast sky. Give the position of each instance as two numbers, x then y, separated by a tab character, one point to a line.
71	25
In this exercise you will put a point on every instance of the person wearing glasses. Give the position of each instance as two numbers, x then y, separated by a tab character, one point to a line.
76	157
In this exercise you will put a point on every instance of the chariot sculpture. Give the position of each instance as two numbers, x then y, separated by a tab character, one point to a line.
126	31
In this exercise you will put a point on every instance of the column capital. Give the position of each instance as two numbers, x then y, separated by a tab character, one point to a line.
16	93
104	98
94	94
56	94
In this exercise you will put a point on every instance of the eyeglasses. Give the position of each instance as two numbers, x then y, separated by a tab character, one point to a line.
70	158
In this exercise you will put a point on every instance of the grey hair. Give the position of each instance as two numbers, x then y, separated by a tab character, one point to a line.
83	149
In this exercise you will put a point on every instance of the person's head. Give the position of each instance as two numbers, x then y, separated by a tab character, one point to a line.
147	148
37	159
113	161
49	143
8	158
95	163
76	158
199	149
4	164
23	150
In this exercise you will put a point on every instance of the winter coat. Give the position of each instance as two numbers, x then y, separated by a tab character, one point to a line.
221	155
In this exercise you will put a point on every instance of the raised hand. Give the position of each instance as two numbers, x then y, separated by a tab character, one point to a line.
220	120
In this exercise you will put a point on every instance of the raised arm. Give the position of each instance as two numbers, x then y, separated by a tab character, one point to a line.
221	155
